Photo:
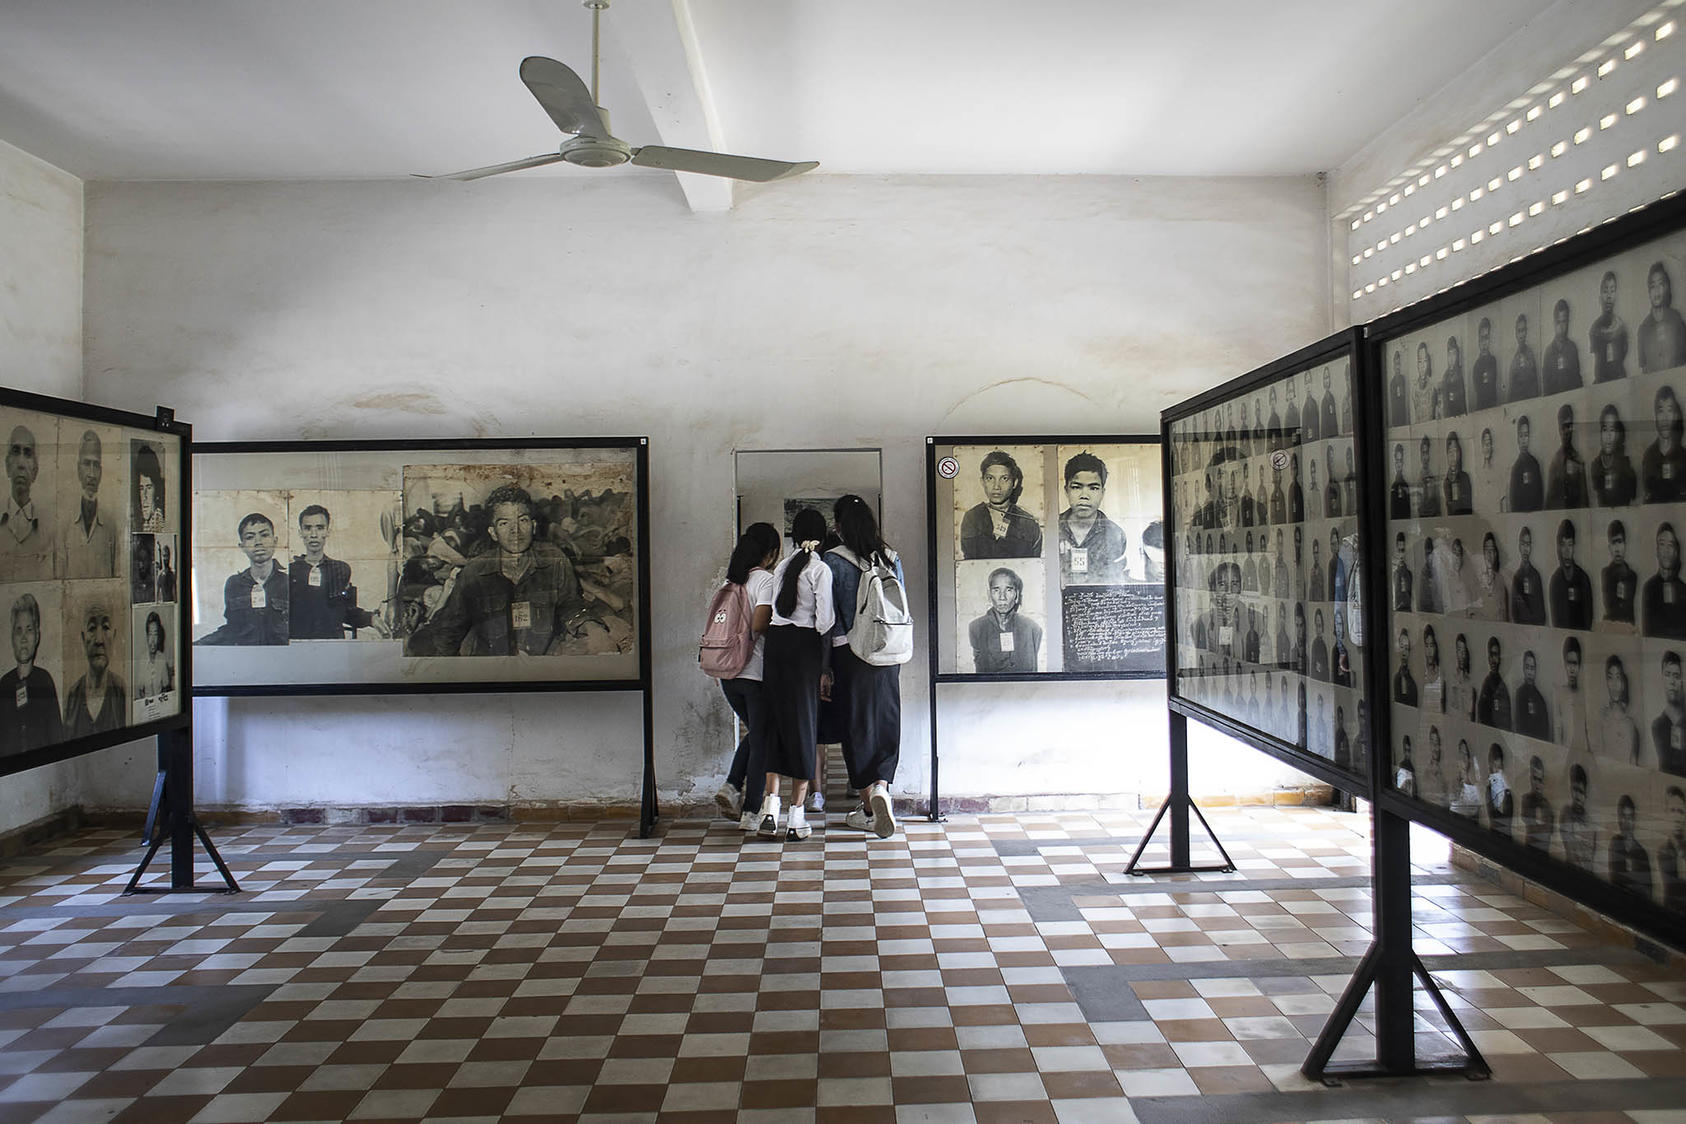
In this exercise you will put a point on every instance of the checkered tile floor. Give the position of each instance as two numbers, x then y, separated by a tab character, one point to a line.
993	968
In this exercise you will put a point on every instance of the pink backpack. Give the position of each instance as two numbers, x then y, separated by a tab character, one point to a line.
727	640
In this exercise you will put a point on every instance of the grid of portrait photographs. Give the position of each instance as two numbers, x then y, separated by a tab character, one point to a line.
1269	630
88	571
426	566
1537	612
1056	556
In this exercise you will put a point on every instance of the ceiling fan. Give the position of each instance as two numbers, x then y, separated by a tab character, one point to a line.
591	145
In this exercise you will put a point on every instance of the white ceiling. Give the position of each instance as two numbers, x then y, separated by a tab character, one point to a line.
315	89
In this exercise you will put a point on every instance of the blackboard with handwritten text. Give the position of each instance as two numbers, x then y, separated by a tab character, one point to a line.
1114	627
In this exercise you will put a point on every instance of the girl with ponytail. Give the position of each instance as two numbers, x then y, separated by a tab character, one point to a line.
869	696
751	567
803	615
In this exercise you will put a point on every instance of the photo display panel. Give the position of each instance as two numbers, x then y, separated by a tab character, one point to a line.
1537	615
1049	557
90	529
1265	543
367	566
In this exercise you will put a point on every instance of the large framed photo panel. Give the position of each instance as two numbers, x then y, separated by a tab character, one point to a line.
1263	514
90	531
364	567
1536	608
1047	557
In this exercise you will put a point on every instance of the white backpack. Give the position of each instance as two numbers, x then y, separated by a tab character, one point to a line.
882	634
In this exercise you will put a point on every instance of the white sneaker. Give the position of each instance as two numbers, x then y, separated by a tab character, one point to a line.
859	819
729	800
769	828
749	821
816	802
798	828
883	816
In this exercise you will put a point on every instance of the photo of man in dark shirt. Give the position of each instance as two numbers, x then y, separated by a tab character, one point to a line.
322	602
29	700
1630	866
1533	717
1404	684
1620	581
1608	335
254	601
99	700
1562	359
515	599
1566	483
1668	728
1571	588
1092	547
1527	485
1524	381
1492	706
1527	588
1398	394
1484	374
1399	492
1671	856
1665	593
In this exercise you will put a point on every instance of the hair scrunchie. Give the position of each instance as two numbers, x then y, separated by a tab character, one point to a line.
809	545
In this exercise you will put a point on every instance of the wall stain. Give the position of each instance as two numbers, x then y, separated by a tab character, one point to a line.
412	402
999	383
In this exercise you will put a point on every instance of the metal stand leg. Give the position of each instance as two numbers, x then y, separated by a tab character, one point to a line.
1178	804
649	808
933	811
170	817
1392	968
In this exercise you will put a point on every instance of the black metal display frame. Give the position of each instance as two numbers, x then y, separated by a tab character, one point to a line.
1616	236
170	817
164	421
1389	966
933	631
643	683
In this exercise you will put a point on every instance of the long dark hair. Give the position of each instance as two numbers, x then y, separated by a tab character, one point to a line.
808	526
857	526
757	541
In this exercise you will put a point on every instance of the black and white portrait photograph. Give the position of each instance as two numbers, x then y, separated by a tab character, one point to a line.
342	568
152	668
1002	612
32	688
143	576
1661	334
96	651
1109	494
241	539
29	521
517	560
93	475
151	504
999	501
165	562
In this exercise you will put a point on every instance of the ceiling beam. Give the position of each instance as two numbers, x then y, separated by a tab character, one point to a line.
660	45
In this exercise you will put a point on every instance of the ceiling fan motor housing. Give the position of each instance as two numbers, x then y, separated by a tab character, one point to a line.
596	152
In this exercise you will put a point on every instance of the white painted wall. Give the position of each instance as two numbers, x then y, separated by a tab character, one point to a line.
40	350
825	312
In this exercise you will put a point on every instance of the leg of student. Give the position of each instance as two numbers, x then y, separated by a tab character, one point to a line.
755	763
873	748
737	693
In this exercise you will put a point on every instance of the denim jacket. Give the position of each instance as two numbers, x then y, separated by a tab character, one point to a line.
846	585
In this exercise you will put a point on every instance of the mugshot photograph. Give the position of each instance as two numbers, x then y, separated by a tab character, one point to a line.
1662	334
1613	480
1566	482
153	667
30	712
1425	388
96	648
1404	581
1527	482
1498	801
1666	694
164	566
1663	599
999	526
1404	682
28	521
1491	470
1484	369
324	588
1527	586
93	484
1454	395
1427	488
1607	338
1296	492
1004	639
1531	713
1331	418
1578	833
149	507
1671	851
1464	796
1618	581
1662	473
1570	585
1629	862
1493	702
1522	380
1430	766
1398	393
1461	685
1399	490
1093	549
1615	730
1539	820
143	579
1311	415
1573	705
1458	489
1292	434
1489	585
254	599
1562	358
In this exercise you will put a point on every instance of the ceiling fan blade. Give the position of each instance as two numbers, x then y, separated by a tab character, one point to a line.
499	169
752	168
564	96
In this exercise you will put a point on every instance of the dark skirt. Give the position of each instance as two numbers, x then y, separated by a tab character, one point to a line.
832	716
790	688
871	700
